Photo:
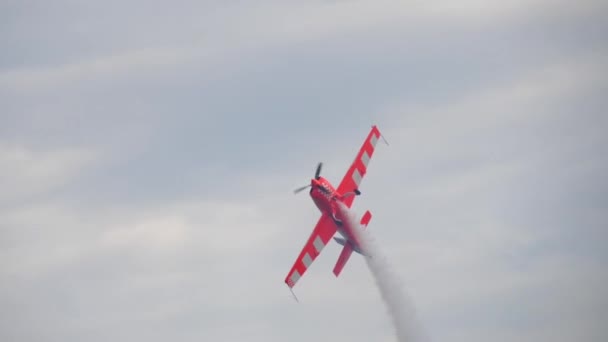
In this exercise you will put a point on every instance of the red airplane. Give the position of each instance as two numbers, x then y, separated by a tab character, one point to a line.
326	198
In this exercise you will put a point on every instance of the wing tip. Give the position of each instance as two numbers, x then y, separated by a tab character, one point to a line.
375	128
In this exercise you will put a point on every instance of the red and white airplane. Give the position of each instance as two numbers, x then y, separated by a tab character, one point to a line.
326	198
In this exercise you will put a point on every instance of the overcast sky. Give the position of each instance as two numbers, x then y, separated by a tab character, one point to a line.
148	153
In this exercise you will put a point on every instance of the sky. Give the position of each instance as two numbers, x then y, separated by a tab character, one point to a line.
148	153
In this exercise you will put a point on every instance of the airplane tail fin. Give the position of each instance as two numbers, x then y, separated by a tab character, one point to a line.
348	248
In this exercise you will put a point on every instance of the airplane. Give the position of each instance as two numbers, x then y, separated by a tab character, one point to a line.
327	199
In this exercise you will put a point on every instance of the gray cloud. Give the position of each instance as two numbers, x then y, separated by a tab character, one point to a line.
148	152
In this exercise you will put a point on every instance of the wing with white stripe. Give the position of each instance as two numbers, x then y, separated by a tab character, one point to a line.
356	172
323	232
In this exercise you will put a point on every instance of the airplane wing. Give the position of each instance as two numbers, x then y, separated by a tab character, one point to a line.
323	232
358	168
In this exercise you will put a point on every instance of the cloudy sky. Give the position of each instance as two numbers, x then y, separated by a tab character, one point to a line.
148	153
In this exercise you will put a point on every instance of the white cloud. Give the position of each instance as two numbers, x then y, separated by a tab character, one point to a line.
141	61
26	172
219	228
158	233
233	34
455	197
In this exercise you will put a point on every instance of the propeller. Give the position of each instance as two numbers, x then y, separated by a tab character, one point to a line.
318	172
301	188
317	176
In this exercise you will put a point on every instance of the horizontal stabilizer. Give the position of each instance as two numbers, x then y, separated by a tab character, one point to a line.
342	259
348	247
366	218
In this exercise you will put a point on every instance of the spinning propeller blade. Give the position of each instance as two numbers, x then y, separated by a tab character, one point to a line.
301	188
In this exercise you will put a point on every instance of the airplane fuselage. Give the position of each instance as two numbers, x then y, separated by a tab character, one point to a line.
326	198
322	192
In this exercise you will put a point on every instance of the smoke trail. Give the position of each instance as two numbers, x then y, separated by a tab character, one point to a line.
397	303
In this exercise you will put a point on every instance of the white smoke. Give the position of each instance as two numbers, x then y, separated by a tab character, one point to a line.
398	305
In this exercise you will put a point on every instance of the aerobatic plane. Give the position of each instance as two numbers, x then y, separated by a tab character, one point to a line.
326	198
